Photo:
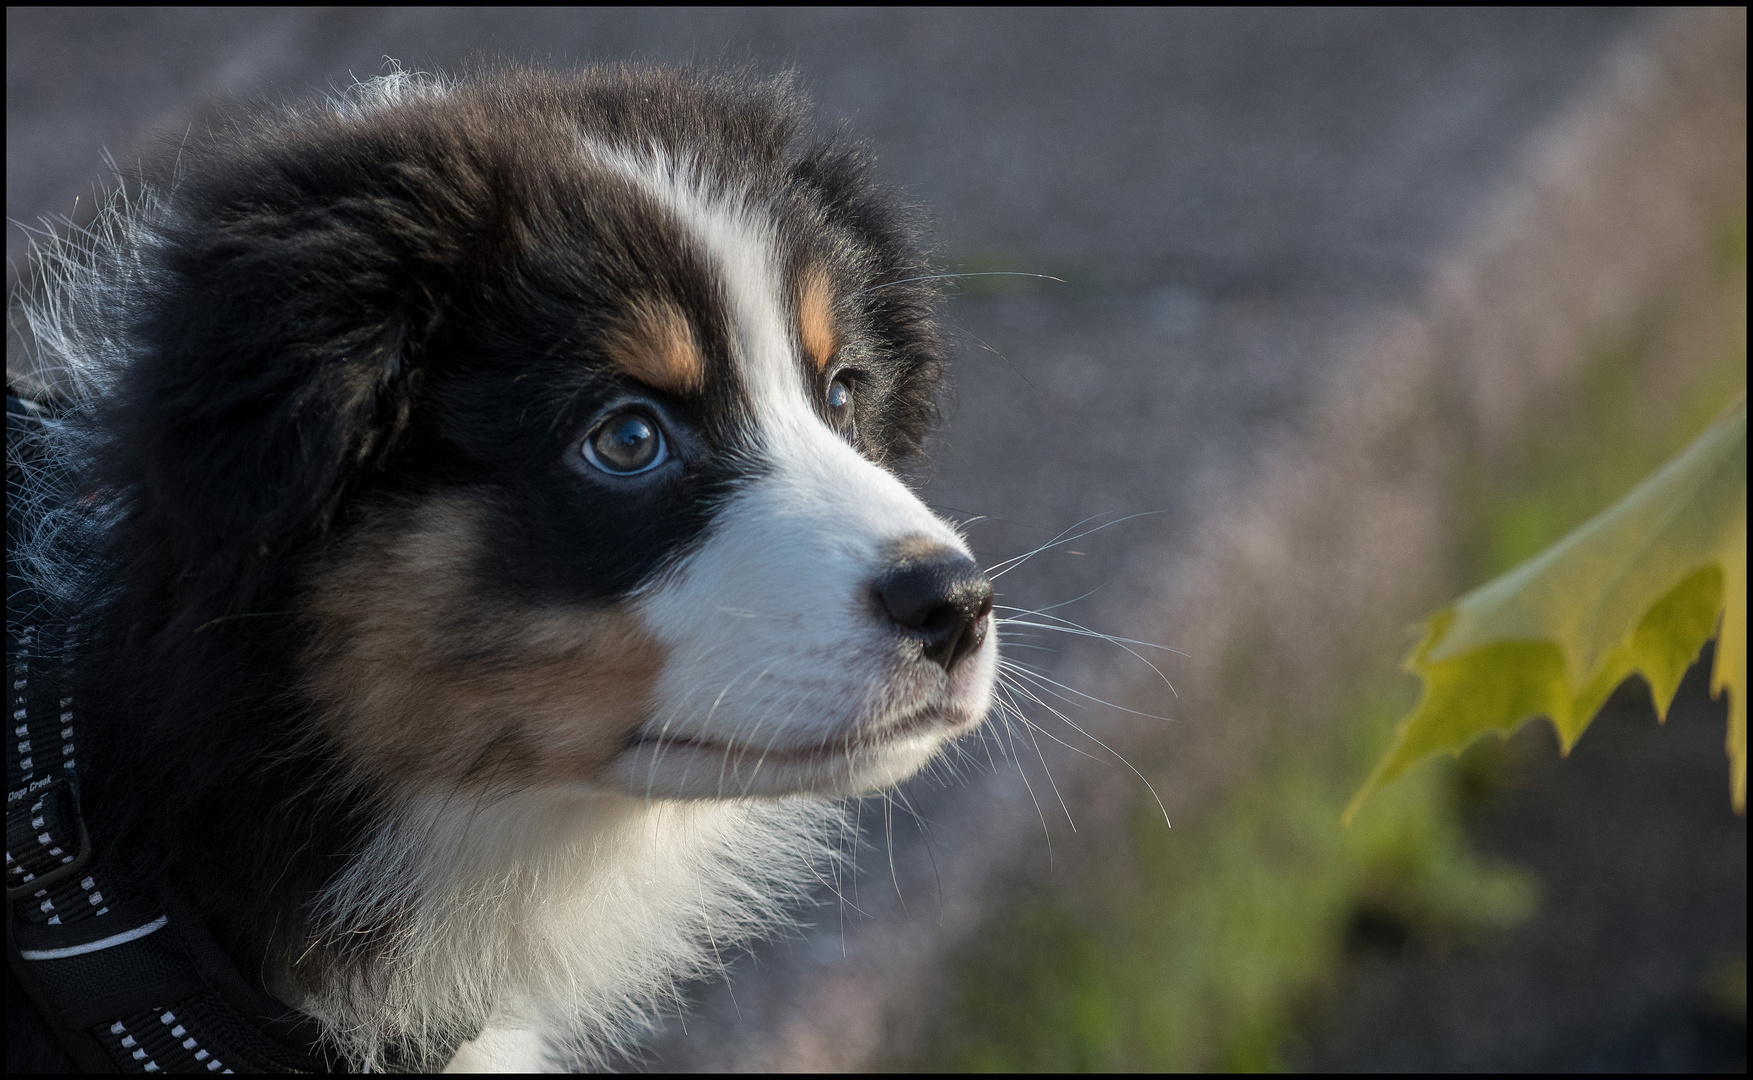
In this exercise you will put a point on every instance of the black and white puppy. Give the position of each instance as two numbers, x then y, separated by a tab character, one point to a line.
492	570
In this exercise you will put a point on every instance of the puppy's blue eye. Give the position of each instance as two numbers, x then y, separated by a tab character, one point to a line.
840	398
627	443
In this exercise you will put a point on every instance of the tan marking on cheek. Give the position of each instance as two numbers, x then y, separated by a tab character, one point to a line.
657	346
815	312
423	680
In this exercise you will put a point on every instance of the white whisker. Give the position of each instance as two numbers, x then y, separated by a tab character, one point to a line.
1047	833
1073	725
1074	626
925	834
998	568
941	277
1055	687
1005	566
1124	643
889	838
1066	810
1024	691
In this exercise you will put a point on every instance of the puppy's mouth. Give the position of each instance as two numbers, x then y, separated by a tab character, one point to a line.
923	721
694	765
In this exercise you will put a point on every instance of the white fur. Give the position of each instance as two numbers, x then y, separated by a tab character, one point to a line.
563	918
394	87
503	1050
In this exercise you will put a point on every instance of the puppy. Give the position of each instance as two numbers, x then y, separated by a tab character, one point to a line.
475	557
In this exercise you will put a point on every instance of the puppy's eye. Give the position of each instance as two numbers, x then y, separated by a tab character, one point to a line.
840	400
627	443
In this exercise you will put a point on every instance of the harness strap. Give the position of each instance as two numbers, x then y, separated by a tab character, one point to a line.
125	977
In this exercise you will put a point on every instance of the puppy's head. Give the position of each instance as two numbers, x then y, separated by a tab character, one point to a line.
562	410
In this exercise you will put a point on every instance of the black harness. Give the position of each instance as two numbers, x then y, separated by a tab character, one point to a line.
121	972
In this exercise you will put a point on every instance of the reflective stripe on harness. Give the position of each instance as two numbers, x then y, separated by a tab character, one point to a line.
99	945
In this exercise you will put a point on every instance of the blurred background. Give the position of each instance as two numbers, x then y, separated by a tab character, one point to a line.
1358	308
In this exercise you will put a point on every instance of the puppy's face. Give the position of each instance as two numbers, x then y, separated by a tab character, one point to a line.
637	534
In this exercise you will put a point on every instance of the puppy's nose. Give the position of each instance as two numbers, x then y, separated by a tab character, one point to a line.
942	598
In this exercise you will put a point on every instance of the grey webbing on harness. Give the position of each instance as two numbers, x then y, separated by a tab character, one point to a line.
126	978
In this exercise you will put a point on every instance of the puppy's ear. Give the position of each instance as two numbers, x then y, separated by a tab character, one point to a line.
281	363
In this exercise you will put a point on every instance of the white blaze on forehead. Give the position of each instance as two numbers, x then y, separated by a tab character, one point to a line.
738	243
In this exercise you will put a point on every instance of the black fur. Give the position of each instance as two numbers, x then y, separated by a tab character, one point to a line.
347	315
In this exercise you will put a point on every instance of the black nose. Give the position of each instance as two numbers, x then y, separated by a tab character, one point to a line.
941	598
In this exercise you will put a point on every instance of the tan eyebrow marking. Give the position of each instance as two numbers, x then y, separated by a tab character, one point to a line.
815	311
656	345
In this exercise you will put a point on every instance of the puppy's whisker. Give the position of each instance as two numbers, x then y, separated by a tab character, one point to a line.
1007	565
1006	712
1123	643
1051	607
889	842
1029	673
962	525
1067	624
925	838
1074	726
942	277
999	567
1036	743
1030	723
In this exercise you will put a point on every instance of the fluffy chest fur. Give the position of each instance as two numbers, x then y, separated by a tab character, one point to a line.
481	495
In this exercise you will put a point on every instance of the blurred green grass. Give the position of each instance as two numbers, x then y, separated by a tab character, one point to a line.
1216	945
1228	923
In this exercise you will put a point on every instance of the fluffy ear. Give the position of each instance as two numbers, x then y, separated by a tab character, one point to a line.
279	362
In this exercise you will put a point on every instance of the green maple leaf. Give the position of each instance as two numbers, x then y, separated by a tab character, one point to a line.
1639	588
